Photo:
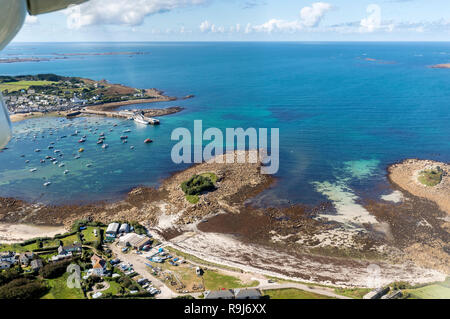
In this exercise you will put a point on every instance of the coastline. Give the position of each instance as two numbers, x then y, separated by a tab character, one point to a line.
293	241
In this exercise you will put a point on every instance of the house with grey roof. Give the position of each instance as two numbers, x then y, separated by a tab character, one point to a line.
26	258
219	294
36	264
247	294
4	265
124	228
8	256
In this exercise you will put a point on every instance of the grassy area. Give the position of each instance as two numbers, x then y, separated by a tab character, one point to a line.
114	288
199	260
430	177
193	199
88	234
60	290
216	281
356	293
435	291
22	85
70	240
293	294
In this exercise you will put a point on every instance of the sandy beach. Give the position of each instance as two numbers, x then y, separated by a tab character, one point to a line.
16	233
34	115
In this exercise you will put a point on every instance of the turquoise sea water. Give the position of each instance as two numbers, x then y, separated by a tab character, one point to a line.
342	119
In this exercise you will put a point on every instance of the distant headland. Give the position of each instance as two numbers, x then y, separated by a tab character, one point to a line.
30	96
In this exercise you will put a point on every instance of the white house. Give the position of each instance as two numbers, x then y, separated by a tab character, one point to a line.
112	230
8	256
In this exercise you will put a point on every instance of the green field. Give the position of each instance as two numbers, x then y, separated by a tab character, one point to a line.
88	234
435	291
60	290
291	293
22	85
114	288
356	293
70	240
215	281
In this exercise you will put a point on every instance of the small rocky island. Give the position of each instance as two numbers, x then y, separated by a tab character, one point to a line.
424	178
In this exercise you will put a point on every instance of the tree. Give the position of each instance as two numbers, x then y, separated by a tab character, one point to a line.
197	184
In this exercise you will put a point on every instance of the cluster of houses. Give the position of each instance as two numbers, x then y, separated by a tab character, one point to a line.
234	294
9	259
29	101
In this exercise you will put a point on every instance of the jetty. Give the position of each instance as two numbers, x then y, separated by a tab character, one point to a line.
130	115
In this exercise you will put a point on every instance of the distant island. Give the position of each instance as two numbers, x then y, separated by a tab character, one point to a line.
60	56
441	66
29	96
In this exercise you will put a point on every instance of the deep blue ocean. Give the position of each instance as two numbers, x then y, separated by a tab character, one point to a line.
345	112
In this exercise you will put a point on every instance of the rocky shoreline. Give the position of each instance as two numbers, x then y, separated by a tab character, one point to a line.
405	175
409	237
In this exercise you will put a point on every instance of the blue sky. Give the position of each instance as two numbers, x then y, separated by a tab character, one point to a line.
244	20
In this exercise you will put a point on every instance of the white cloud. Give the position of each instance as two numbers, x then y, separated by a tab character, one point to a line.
311	16
206	26
121	12
278	25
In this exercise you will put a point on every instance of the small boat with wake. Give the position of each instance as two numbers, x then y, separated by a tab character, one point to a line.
148	141
47	184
